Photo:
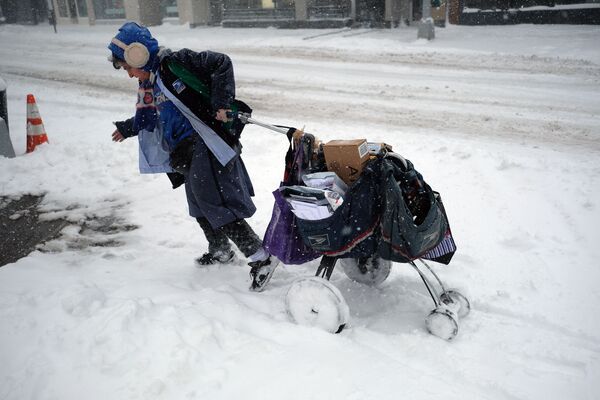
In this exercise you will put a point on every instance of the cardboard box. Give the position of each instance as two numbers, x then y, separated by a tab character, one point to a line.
346	158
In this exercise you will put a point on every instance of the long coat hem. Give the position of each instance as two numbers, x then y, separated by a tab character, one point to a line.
219	194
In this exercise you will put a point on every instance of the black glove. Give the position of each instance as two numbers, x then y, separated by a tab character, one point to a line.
176	179
125	127
181	157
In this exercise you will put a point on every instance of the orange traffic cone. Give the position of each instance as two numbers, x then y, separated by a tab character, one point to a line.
36	134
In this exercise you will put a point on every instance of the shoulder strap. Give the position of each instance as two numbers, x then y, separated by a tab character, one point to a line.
218	147
203	90
189	78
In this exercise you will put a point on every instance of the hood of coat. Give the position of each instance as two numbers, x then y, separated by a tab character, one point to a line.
131	32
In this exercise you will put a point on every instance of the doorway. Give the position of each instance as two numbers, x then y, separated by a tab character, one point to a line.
72	11
370	13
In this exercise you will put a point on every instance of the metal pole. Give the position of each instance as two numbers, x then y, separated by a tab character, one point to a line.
246	119
6	147
426	30
426	9
3	102
51	14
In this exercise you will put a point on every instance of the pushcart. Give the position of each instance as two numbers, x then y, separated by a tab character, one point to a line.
369	232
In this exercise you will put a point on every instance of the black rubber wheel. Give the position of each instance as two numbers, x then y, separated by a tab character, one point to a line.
372	271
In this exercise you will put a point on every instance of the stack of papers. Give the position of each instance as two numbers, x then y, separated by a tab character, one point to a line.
327	181
309	211
304	193
309	203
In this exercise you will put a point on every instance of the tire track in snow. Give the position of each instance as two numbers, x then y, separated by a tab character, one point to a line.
414	111
460	60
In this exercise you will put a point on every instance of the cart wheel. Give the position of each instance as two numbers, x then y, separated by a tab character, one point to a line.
371	271
316	302
454	296
442	323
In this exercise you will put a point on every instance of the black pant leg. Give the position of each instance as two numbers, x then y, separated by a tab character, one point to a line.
240	233
217	239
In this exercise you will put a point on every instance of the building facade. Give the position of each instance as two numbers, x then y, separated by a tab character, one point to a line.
300	13
148	12
239	13
23	11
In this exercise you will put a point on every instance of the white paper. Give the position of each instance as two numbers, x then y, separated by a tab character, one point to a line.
309	211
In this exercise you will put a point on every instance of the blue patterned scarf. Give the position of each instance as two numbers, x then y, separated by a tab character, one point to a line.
145	113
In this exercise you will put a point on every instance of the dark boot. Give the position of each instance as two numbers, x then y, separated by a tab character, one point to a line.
219	248
216	257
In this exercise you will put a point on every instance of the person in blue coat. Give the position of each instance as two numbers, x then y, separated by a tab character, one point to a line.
182	123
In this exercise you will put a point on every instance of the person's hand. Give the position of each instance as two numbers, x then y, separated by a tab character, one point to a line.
222	114
117	136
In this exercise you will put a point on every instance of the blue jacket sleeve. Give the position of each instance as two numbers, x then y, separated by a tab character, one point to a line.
126	127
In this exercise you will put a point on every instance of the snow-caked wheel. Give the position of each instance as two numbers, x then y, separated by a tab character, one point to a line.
454	296
370	271
442	323
314	301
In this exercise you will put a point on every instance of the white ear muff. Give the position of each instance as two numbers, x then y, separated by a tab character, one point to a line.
136	54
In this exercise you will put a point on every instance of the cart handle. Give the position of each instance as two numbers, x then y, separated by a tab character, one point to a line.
245	118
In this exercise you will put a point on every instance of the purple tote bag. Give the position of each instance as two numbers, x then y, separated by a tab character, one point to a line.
282	238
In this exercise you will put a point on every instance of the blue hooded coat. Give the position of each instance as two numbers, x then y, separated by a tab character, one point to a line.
221	194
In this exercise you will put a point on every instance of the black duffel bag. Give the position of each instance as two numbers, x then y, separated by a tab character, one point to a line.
412	221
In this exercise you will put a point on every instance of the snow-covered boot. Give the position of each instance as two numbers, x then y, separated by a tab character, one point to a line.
261	273
221	257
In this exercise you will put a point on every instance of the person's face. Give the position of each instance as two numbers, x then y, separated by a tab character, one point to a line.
135	72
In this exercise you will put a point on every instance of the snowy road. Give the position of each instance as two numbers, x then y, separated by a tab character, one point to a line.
507	129
509	95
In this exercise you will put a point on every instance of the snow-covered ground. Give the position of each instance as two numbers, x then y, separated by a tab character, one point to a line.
503	121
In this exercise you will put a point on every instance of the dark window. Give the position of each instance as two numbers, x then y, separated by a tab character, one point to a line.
169	8
82	8
109	9
62	8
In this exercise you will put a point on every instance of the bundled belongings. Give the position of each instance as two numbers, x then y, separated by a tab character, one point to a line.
384	212
389	214
389	211
413	218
